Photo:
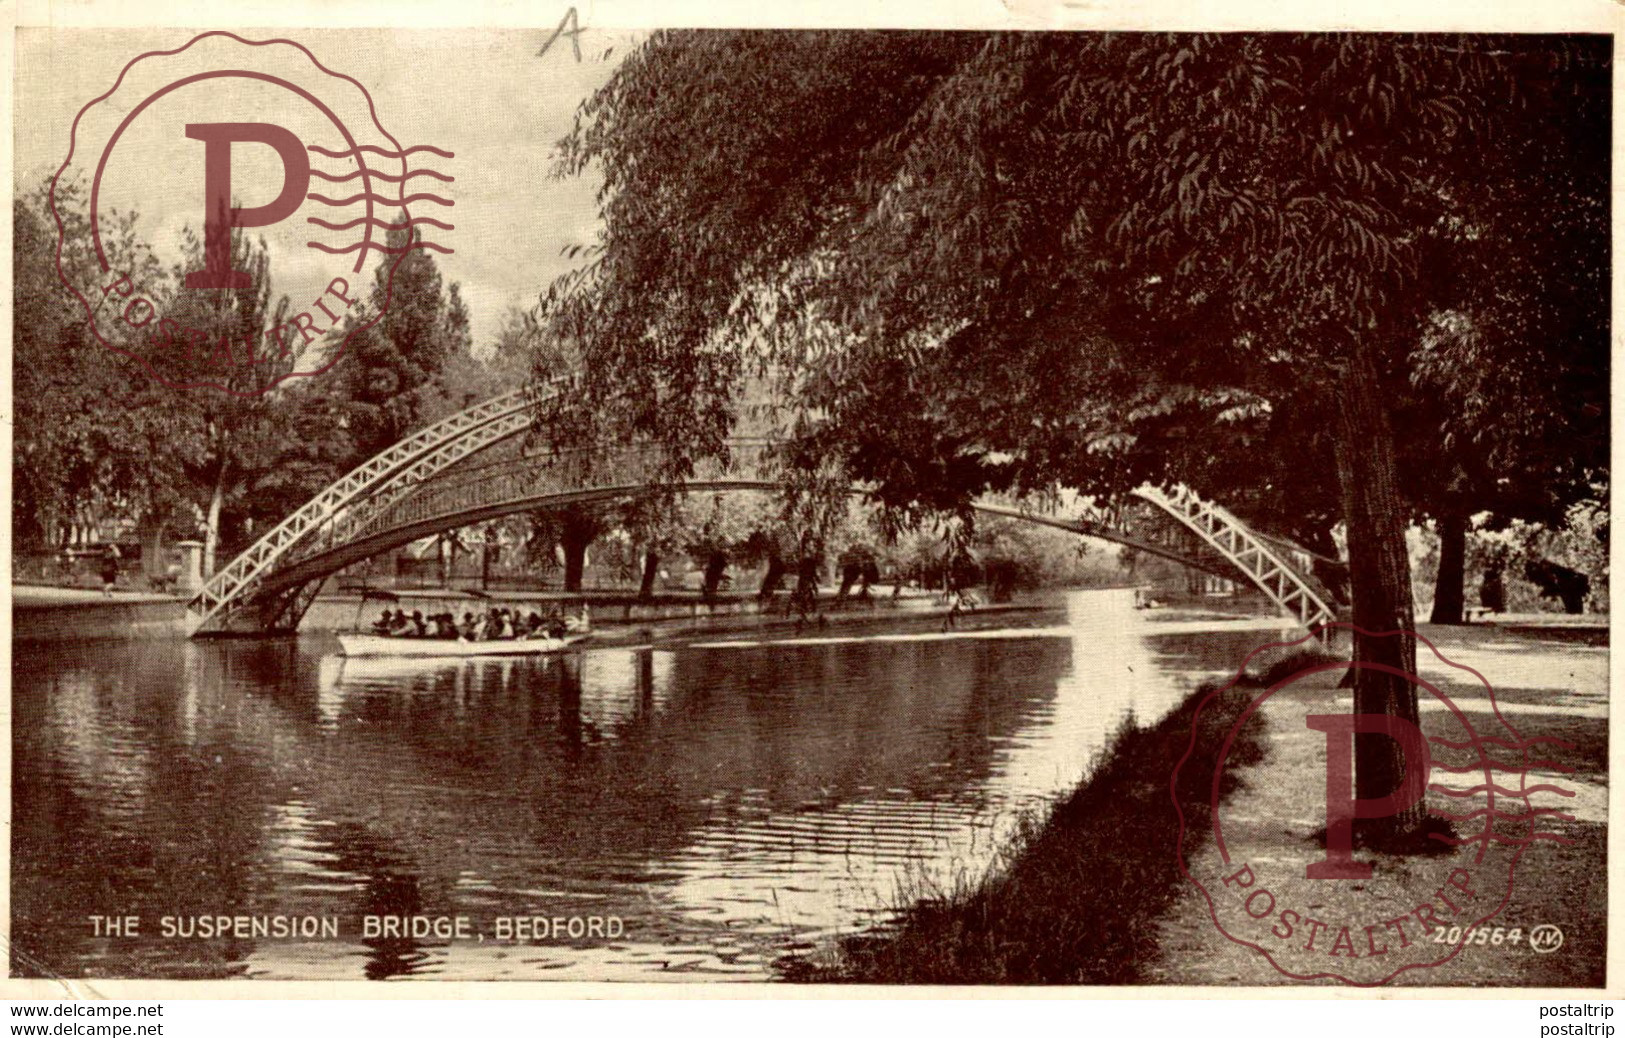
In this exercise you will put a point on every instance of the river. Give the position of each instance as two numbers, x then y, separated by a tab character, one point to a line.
716	804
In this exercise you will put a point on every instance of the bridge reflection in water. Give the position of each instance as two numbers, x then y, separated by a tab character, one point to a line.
730	802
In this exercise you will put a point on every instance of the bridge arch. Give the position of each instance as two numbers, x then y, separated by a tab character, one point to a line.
432	482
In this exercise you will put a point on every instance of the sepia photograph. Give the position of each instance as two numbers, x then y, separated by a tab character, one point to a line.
811	507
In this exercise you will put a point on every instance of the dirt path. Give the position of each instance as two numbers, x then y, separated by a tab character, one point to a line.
1543	686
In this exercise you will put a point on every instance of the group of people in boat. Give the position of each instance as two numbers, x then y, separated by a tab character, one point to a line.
491	625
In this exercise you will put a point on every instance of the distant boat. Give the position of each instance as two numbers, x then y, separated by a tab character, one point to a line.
386	645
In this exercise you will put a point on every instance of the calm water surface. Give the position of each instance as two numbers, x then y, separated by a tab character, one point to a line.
732	801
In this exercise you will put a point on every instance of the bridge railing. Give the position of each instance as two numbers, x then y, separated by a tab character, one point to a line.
229	583
510	480
497	485
506	484
427	478
1290	588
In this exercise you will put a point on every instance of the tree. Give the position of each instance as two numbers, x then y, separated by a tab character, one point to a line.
228	443
97	426
84	446
99	438
388	382
1016	260
1508	399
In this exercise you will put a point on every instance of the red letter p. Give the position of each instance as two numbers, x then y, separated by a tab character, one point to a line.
1342	806
219	216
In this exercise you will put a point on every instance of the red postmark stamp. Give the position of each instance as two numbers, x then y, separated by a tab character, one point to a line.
1278	865
208	177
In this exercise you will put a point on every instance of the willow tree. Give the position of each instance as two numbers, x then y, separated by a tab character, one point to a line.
1021	260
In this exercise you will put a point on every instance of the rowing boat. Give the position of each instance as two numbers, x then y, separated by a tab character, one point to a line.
387	645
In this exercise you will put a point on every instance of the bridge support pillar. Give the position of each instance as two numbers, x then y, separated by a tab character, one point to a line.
191	578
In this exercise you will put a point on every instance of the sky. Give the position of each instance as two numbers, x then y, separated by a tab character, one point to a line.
485	95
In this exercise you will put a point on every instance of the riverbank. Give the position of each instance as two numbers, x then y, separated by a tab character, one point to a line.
1548	682
1075	900
1094	893
53	614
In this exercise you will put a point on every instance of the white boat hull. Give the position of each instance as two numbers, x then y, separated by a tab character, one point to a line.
381	645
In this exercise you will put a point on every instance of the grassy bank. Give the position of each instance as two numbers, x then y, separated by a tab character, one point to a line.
1076	898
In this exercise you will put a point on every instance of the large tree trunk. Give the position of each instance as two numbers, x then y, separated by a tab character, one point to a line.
651	572
575	563
579	531
1449	591
716	564
849	576
152	550
807	575
152	525
805	596
1379	582
773	578
211	529
1492	592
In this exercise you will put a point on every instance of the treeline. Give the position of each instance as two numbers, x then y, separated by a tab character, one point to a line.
1346	284
100	445
103	450
750	542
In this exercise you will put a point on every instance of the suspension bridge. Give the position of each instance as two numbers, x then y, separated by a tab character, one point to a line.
477	465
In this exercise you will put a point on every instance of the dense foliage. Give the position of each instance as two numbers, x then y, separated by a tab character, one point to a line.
102	446
1090	259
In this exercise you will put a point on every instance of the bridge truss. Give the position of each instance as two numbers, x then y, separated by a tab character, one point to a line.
476	465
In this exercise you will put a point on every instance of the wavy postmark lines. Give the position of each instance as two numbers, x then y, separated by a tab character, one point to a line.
415	240
1281	867
217	144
